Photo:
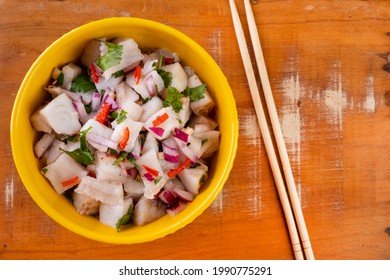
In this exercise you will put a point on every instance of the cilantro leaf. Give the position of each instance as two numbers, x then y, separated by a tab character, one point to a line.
82	83
166	76
82	155
195	93
121	117
112	57
123	156
126	218
173	99
60	79
118	74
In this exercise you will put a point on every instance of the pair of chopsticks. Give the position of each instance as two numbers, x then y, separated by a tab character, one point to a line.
290	202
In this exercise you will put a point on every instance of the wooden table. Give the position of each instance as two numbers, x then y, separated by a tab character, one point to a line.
329	86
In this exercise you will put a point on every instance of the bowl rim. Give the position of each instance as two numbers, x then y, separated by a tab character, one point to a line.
40	201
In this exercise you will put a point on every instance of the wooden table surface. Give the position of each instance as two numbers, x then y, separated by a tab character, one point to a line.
326	71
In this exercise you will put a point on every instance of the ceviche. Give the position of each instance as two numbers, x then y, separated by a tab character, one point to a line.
127	134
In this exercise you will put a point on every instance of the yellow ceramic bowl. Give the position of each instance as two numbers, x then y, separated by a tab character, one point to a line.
147	34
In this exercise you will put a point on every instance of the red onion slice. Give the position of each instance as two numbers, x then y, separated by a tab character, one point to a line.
80	108
177	208
167	197
95	104
183	195
170	151
97	139
108	99
181	135
157	130
150	85
149	177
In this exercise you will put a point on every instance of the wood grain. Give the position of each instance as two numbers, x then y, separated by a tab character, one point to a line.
324	64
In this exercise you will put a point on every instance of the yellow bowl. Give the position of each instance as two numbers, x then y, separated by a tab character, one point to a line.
147	34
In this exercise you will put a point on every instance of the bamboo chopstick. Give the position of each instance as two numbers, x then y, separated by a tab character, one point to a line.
278	132
290	220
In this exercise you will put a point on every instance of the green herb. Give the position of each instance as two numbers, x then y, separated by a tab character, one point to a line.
166	76
195	165
204	140
82	155
44	170
118	74
126	218
60	79
88	108
68	194
173	99
112	57
72	139
202	179
131	159
121	117
160	61
195	93
123	156
113	152
157	180
82	83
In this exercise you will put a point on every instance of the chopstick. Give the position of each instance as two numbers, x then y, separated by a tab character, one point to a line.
278	132
289	211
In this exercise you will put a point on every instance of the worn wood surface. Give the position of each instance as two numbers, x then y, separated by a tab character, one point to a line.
325	68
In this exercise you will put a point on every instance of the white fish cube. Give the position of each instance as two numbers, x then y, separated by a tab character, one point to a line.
151	172
148	210
204	105
99	129
150	143
61	115
179	76
85	205
110	214
185	112
134	130
106	170
43	144
209	140
193	178
124	92
164	129
140	87
103	191
39	123
151	107
134	188
64	173
130	55
132	109
70	71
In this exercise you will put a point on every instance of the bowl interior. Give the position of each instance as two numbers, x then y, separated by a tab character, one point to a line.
148	35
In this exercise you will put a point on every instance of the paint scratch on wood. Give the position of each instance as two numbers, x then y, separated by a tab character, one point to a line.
217	205
9	193
249	128
369	102
291	122
335	98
